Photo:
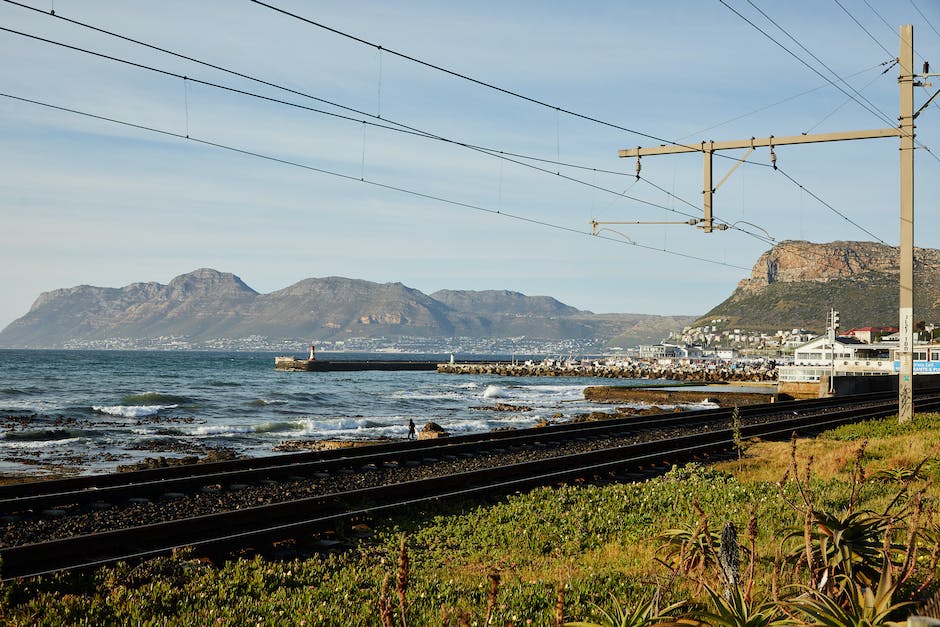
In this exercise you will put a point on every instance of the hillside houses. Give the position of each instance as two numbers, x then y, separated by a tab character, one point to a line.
712	336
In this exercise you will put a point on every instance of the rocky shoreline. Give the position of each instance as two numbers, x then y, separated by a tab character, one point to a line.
693	372
34	527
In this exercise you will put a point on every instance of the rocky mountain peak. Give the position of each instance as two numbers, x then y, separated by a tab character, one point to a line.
795	283
207	281
793	261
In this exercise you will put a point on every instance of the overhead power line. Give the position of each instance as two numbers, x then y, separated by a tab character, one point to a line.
872	109
780	102
865	30
363	180
482	83
385	123
867	105
921	13
833	209
879	114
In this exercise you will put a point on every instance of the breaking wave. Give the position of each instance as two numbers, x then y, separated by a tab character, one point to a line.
131	411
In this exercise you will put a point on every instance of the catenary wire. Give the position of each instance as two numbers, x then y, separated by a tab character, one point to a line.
847	100
885	22
364	180
384	125
398	128
482	83
385	121
780	102
534	100
873	108
303	94
865	30
881	116
890	28
921	13
831	208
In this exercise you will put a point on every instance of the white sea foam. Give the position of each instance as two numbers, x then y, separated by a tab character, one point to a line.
224	429
131	411
701	405
27	404
36	444
495	391
418	395
535	394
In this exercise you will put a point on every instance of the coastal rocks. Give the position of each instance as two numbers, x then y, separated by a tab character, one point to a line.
621	394
705	372
621	412
431	431
503	407
213	455
287	446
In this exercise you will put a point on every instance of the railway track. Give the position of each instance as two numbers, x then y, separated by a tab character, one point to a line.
262	525
118	487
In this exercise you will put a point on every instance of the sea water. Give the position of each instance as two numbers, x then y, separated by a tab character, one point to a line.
90	411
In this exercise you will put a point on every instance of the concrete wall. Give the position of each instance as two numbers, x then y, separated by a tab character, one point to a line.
845	385
799	389
620	394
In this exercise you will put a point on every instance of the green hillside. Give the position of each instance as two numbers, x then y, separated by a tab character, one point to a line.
869	299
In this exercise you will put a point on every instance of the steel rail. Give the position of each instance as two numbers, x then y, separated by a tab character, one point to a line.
145	484
99	481
264	524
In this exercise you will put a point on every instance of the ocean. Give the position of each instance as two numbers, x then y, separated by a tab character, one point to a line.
91	411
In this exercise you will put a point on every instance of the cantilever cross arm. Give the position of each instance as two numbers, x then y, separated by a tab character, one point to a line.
708	149
756	142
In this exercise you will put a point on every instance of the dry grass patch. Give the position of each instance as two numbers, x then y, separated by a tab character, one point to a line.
888	446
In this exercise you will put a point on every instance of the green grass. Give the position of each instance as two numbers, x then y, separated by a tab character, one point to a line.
884	428
590	541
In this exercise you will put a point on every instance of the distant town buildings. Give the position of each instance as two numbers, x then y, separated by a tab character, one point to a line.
714	336
710	341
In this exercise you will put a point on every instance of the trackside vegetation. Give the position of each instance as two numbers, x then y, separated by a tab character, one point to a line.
842	529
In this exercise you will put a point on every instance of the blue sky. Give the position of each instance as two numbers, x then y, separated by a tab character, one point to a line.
84	201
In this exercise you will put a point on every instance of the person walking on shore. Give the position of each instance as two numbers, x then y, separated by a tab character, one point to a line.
411	429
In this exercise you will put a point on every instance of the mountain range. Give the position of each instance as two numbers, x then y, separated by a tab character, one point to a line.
793	285
207	304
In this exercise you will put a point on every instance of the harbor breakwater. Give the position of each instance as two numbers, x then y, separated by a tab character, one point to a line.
697	372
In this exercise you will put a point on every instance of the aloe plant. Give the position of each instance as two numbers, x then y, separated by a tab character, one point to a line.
690	547
736	610
901	474
851	544
642	615
854	605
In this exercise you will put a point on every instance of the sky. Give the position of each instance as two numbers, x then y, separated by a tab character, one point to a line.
346	139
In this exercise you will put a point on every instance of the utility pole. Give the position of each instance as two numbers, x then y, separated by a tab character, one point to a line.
906	302
832	323
905	130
